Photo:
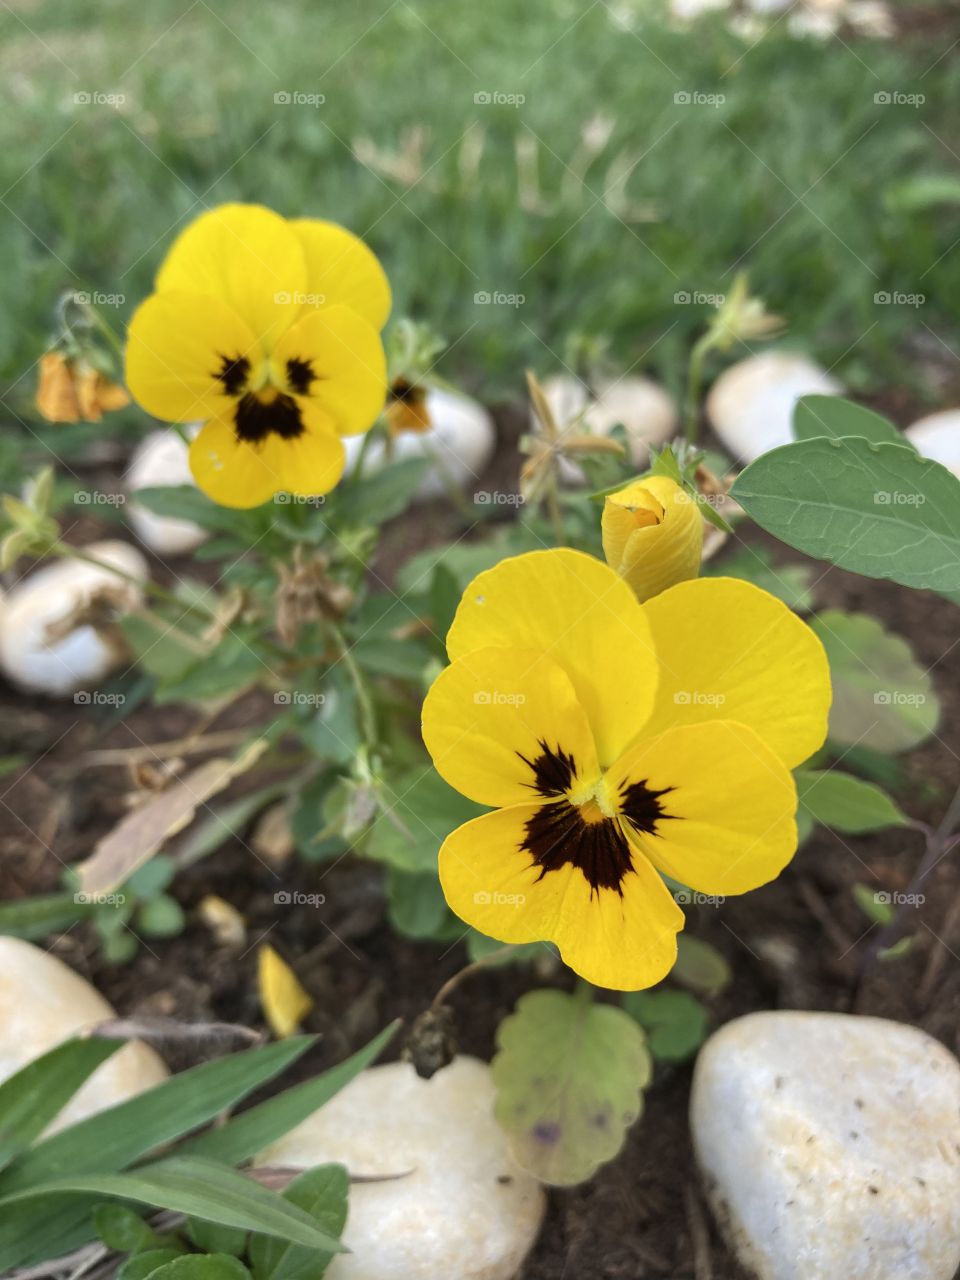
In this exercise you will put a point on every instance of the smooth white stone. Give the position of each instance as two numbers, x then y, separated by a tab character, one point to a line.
750	406
937	436
159	461
33	659
647	412
466	1211
830	1146
461	440
43	1003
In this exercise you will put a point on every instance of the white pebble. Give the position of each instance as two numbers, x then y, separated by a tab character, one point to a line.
161	461
938	437
830	1146
750	406
466	1212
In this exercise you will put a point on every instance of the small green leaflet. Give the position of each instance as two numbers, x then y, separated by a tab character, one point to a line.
835	417
844	803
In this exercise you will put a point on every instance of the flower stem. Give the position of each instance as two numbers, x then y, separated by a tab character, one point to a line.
691	413
368	716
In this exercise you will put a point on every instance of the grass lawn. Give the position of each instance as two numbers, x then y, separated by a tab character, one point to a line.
790	168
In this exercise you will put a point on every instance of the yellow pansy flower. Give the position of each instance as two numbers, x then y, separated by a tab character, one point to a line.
617	741
652	534
268	331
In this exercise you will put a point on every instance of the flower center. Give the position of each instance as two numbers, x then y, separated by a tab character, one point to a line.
582	824
265	403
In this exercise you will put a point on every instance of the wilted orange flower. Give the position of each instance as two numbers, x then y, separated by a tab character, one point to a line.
407	407
74	391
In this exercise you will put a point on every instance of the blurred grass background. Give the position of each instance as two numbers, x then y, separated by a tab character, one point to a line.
799	174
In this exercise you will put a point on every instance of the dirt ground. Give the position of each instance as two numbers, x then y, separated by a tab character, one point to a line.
642	1216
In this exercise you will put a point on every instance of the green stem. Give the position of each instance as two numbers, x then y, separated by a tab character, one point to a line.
368	716
357	471
691	415
112	338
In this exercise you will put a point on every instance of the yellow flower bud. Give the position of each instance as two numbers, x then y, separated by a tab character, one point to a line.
652	534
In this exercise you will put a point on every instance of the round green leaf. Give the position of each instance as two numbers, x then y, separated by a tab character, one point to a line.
700	966
675	1022
844	803
570	1077
882	698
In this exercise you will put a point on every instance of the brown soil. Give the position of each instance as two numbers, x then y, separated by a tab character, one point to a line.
639	1216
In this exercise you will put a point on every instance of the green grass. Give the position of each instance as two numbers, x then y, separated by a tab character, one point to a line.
794	175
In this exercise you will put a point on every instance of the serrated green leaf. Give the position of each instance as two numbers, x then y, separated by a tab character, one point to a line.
675	1022
835	417
570	1076
882	698
876	509
700	967
844	803
36	1094
246	1134
322	1193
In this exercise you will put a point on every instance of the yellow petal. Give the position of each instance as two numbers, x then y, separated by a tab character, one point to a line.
341	269
177	343
285	1003
496	716
652	535
342	357
574	609
247	256
727	802
235	473
491	882
731	651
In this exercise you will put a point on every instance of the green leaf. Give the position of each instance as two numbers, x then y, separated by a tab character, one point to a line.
202	1266
876	509
114	1138
675	1022
420	810
570	1077
186	502
233	665
882	698
153	877
34	918
142	1265
244	1135
875	905
417	908
210	1237
844	803
123	1230
322	1193
381	495
159	648
835	417
479	947
200	1188
38	1092
162	917
700	967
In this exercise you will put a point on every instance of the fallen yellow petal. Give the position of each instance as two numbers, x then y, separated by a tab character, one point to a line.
284	1001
